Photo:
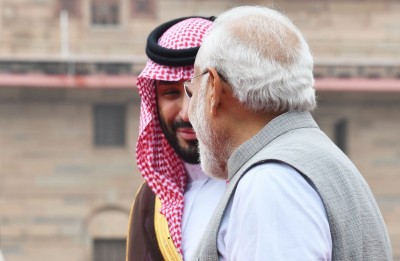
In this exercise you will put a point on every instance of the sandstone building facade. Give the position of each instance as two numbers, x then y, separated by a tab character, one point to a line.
69	111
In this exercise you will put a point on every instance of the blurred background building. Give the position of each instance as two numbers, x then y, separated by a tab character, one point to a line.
69	111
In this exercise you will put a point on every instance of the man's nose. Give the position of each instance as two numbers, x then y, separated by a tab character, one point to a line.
185	108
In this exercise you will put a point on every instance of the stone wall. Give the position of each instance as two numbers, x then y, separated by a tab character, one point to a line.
358	31
372	144
58	190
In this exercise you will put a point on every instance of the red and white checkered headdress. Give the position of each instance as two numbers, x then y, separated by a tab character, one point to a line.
158	163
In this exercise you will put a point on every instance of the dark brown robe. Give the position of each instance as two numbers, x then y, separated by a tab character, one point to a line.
148	234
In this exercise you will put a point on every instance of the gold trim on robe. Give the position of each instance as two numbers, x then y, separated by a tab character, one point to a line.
164	239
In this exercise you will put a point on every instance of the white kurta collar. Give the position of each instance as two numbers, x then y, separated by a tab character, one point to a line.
194	172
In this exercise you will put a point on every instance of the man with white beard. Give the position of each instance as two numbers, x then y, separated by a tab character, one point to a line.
292	194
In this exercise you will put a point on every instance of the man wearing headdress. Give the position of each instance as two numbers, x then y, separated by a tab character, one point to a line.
175	203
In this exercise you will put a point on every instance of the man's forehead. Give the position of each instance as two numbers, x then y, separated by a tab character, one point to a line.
168	83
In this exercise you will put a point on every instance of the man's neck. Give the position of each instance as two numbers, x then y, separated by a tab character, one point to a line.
248	124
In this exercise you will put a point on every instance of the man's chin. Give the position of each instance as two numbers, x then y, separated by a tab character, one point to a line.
213	156
189	152
211	164
190	158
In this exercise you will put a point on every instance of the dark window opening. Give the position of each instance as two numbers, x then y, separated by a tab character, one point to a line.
71	6
109	125
105	12
143	8
109	249
341	134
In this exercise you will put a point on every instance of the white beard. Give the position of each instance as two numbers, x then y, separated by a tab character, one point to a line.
213	149
211	163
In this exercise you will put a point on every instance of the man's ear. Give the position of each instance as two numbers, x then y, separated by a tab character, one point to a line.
216	91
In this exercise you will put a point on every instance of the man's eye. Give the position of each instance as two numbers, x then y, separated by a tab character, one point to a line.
171	92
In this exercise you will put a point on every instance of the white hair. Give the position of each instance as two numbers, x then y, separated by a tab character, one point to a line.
263	57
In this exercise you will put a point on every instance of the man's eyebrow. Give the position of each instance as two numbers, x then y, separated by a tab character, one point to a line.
168	82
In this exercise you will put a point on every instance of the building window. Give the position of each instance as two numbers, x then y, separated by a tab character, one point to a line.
341	134
109	125
109	249
105	12
71	6
143	8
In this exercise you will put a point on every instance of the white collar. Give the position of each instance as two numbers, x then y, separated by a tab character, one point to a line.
194	172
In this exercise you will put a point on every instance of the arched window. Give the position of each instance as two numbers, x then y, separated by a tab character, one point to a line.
106	227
